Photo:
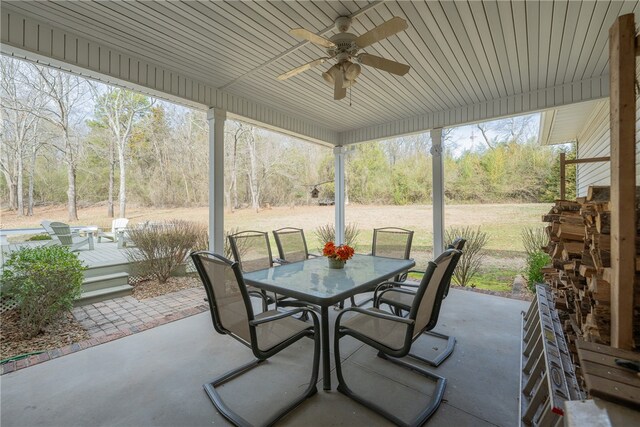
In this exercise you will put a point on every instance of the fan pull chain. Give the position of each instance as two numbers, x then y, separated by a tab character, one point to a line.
350	95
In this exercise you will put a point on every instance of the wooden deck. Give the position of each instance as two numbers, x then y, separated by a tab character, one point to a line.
104	253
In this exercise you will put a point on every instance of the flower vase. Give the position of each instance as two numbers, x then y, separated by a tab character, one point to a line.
336	263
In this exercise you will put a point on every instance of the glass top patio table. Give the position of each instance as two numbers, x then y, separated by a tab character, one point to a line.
314	282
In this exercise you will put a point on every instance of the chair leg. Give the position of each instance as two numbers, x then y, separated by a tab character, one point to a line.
237	419
234	417
428	410
441	357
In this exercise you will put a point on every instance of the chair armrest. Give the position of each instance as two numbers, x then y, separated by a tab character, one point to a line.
264	298
376	302
314	255
391	317
382	286
279	316
398	290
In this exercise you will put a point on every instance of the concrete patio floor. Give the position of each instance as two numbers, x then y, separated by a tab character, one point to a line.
154	378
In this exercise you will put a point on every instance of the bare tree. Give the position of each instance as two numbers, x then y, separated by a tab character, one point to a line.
513	129
236	132
120	109
65	93
21	104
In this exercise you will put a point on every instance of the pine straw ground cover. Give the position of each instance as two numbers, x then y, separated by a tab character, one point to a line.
67	330
55	335
152	288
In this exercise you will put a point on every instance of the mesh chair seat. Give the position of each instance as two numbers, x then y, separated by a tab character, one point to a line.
399	300
276	332
388	332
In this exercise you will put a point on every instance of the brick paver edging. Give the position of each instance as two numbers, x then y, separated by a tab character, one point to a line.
91	342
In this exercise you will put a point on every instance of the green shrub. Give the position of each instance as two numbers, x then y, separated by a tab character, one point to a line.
536	261
44	282
164	246
327	233
39	237
534	239
472	255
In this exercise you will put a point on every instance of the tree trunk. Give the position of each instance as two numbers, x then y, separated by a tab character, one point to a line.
12	195
71	193
32	169
112	165
234	176
11	186
253	175
19	185
123	184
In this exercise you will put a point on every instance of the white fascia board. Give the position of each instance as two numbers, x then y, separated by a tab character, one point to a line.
515	105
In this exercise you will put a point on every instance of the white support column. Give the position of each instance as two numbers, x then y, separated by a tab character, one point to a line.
339	153
438	191
216	119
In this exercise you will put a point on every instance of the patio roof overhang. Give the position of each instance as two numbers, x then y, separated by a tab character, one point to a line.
470	61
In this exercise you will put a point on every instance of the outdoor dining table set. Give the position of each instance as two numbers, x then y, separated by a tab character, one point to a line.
304	292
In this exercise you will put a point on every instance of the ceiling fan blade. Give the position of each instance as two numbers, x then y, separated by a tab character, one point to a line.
301	33
387	65
301	69
382	31
339	91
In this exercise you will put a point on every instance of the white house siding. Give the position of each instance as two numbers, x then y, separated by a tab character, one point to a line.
594	141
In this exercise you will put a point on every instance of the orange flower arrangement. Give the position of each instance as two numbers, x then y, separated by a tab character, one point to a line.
342	252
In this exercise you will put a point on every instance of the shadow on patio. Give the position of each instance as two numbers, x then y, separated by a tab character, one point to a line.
155	377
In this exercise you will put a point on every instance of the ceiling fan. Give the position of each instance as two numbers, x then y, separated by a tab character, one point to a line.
344	47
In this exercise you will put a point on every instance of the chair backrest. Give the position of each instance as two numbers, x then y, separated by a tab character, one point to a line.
119	224
229	302
392	242
292	246
428	299
251	249
458	244
46	224
62	232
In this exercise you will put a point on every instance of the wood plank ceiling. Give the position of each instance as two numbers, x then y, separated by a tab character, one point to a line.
461	53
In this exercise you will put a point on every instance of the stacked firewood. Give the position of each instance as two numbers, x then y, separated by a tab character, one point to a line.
580	273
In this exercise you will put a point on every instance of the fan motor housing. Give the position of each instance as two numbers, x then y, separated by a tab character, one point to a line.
344	44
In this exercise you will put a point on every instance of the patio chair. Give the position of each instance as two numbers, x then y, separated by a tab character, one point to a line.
401	302
390	242
118	228
394	335
252	251
292	245
46	224
63	234
266	333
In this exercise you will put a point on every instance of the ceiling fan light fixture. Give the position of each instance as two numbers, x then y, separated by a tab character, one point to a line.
351	71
